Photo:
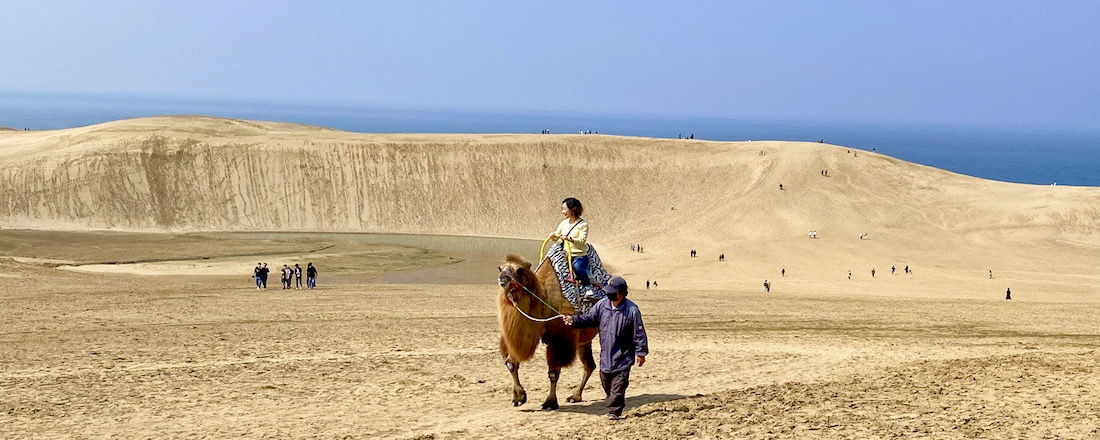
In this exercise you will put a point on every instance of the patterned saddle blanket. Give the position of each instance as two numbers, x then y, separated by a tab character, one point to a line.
596	274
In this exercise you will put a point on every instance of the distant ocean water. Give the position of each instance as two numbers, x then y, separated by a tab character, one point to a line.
1013	155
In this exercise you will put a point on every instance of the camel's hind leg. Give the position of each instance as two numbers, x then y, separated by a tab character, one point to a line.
551	402
519	396
585	353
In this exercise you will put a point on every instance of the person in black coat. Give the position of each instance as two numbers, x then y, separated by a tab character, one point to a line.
264	271
311	276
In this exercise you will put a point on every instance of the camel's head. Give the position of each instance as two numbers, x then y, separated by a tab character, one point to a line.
516	277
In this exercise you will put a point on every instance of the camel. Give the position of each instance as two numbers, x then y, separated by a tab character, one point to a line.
520	335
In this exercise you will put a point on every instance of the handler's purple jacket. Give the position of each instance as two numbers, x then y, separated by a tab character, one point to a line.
622	335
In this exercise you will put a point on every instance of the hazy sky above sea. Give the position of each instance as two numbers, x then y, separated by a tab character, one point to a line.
1017	64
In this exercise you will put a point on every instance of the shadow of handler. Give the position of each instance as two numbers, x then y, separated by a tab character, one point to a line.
622	341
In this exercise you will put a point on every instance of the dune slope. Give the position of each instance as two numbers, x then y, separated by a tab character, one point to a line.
193	173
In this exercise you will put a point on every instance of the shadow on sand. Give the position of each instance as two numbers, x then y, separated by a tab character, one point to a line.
598	407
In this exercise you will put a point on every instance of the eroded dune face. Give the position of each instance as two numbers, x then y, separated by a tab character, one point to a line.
201	173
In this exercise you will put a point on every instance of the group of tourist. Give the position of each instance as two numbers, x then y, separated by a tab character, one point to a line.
287	275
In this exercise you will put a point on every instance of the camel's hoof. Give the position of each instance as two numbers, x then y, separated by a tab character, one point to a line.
573	399
550	406
520	401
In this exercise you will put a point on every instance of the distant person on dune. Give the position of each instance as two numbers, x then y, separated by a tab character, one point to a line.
1008	294
286	274
297	276
311	276
991	274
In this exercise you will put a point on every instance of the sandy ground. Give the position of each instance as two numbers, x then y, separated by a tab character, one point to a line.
160	333
97	355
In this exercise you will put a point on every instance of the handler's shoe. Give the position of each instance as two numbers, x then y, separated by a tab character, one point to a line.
612	417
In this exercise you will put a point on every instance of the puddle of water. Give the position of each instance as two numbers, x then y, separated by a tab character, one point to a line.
447	244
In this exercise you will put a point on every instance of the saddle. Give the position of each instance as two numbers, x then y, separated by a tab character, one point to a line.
581	297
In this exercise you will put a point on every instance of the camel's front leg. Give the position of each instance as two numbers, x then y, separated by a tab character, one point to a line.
519	396
552	400
585	353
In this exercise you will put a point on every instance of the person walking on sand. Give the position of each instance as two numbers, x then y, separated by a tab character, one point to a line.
1008	294
623	342
767	286
872	272
849	274
991	274
264	272
286	274
783	272
256	273
892	269
311	276
297	277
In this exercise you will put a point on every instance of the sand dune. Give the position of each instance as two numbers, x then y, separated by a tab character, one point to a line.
201	173
193	173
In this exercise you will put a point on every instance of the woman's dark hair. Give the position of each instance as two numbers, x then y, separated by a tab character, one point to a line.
574	206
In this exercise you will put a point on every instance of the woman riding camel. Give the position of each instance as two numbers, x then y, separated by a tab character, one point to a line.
573	232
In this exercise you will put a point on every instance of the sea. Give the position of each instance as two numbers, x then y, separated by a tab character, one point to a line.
1018	154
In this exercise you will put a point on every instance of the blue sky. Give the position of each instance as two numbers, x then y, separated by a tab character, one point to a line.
984	63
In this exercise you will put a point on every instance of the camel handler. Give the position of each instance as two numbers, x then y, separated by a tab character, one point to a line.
622	340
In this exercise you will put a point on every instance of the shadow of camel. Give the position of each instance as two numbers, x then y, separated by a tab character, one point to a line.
599	407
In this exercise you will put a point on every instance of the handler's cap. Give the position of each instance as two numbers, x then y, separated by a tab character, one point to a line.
616	285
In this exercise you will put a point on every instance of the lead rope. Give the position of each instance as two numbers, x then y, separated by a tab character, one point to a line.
529	292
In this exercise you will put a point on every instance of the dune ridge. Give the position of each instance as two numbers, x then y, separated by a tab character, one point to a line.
202	173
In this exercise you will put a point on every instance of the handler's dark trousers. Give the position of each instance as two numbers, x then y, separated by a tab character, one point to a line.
614	384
